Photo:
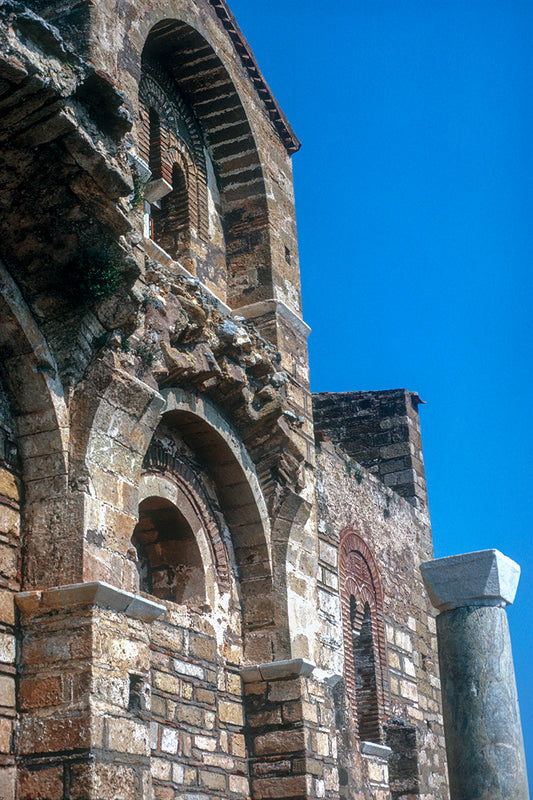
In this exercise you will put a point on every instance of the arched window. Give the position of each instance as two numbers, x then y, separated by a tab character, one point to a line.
364	640
171	224
170	142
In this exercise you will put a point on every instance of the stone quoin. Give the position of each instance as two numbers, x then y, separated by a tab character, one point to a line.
210	580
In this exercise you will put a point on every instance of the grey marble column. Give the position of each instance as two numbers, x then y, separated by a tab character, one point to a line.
484	742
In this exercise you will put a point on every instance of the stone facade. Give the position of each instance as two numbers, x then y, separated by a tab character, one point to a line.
199	597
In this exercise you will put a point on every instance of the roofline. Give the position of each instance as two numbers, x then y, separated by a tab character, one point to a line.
281	123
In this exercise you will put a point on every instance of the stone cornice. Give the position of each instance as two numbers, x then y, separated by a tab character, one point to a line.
263	307
95	593
483	578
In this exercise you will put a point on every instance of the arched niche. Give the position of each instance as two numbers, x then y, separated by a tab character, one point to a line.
219	452
191	519
36	395
41	421
365	662
169	558
183	77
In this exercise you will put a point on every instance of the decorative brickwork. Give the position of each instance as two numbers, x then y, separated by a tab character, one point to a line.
364	636
170	143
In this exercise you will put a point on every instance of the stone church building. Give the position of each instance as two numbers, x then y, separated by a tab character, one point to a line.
210	582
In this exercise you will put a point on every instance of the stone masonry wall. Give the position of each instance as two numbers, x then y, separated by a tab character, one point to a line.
381	431
197	728
398	535
10	502
290	732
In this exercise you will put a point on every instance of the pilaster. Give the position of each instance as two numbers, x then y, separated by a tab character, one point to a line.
84	694
291	740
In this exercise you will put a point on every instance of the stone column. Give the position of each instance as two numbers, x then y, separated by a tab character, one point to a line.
480	705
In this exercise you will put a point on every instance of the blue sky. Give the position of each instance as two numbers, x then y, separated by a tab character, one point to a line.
414	191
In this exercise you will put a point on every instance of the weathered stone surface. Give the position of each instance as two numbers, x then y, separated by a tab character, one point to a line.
480	705
484	578
184	567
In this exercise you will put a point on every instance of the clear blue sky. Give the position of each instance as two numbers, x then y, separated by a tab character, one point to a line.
414	192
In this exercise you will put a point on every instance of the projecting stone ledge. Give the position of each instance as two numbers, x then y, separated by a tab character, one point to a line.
94	593
484	578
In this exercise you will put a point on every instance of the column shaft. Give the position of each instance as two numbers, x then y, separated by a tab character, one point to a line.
484	742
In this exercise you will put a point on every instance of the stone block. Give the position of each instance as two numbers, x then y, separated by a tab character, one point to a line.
275	788
230	713
279	742
42	784
272	717
203	648
169	740
237	784
190	715
205	743
52	735
166	683
205	696
109	781
9	521
40	692
281	691
128	736
9	486
7	607
7	691
237	745
6	728
161	769
191	670
214	781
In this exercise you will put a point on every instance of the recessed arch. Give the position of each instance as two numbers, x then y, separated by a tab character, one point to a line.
361	597
36	394
190	60
169	558
218	448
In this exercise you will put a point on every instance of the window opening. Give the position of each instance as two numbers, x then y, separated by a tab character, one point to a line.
170	216
364	639
364	672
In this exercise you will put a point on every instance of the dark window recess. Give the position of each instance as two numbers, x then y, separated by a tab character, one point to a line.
168	557
155	161
287	255
171	223
364	672
137	697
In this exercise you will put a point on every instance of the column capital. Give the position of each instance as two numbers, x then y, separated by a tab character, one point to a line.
483	578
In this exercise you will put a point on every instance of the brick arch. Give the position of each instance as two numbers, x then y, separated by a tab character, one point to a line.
159	462
359	579
206	87
217	446
180	142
